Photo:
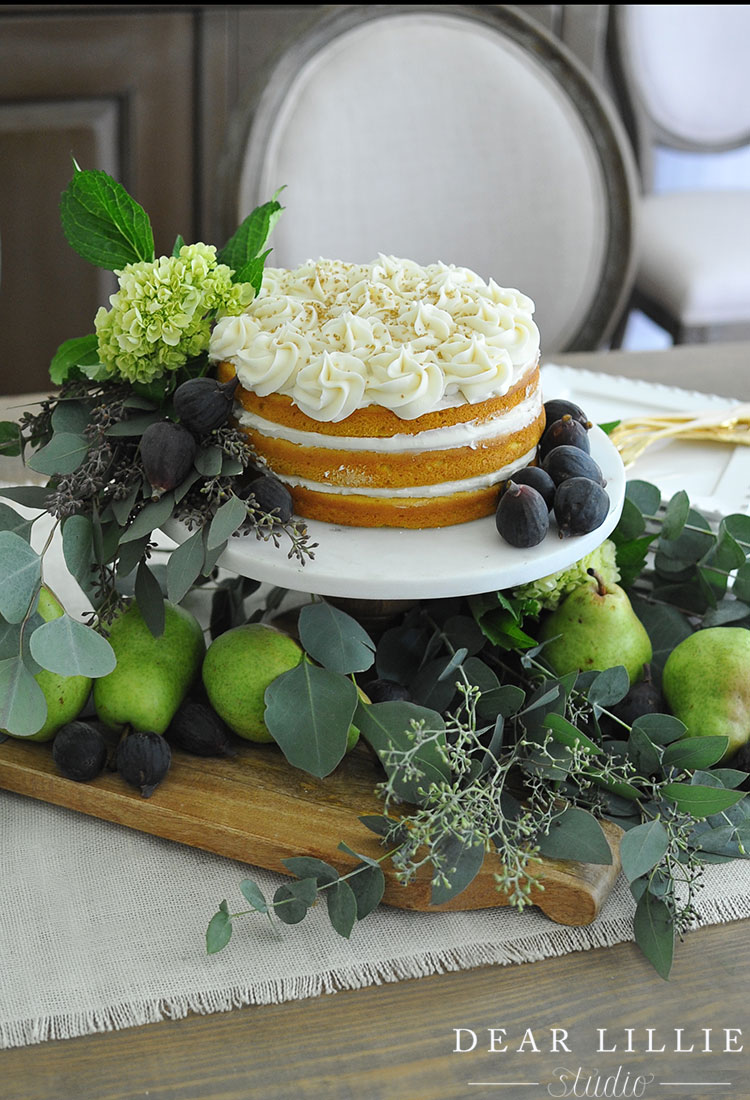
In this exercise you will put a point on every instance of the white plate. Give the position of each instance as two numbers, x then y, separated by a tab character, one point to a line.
716	476
393	563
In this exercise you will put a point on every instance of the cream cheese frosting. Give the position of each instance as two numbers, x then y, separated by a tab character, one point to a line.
335	337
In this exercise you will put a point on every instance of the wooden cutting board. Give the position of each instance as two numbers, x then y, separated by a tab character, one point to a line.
255	808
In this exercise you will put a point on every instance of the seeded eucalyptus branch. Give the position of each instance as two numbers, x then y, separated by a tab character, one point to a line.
484	749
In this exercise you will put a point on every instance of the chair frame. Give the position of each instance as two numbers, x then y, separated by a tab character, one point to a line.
250	130
644	133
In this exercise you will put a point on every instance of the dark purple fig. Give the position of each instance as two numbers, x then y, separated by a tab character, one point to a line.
558	407
143	759
387	691
537	478
198	729
644	697
204	404
565	432
167	453
270	496
565	462
581	505
80	751
522	516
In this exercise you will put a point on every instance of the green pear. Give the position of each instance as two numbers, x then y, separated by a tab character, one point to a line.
595	627
706	684
153	674
238	667
66	695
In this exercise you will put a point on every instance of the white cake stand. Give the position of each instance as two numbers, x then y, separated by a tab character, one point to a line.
383	563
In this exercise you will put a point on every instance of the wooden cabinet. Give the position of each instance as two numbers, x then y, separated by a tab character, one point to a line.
146	93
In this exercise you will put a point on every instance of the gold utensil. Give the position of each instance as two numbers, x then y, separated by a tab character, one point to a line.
631	437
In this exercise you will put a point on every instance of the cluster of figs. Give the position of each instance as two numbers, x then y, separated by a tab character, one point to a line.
565	483
168	447
142	758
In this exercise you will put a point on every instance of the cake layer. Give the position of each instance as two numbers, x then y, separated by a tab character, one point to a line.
351	510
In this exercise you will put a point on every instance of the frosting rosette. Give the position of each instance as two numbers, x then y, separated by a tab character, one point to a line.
335	337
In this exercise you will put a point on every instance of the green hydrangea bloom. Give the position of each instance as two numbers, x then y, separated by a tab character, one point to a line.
550	591
163	312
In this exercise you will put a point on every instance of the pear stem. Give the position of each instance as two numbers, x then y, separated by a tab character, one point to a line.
601	587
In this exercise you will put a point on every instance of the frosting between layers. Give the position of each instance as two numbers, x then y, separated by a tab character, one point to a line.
462	434
336	337
440	489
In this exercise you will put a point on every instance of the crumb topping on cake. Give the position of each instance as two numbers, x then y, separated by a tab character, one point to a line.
336	337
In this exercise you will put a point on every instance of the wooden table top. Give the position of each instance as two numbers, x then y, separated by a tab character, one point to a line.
397	1041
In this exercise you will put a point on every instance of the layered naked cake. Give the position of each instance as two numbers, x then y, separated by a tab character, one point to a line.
386	394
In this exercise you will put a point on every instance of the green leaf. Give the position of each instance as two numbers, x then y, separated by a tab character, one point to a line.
184	566
11	520
645	496
69	648
334	639
229	517
148	596
308	713
219	932
654	932
457	862
576	834
503	701
62	455
690	753
30	496
699	801
150	518
661	729
368	887
631	524
20	576
208	460
642	848
308	867
78	352
609	687
565	733
77	543
23	707
387	727
252	272
133	426
643	752
676	515
288	906
10	439
247	241
103	224
253	893
342	907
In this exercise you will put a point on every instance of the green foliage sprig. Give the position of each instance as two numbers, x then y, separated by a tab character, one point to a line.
85	440
494	753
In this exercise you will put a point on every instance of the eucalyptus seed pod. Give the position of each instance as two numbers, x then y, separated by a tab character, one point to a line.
204	404
143	759
167	453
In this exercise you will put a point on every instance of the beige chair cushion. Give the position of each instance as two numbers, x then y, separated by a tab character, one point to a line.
694	258
430	137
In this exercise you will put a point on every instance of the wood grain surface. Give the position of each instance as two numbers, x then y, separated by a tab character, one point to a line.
255	808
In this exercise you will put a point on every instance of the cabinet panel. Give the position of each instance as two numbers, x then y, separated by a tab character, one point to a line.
115	92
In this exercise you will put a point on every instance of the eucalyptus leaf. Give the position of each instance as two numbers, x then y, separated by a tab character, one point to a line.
456	861
62	455
504	701
609	687
388	728
430	689
23	707
11	520
308	713
690	753
150	600
676	515
208	461
308	867
20	576
368	886
334	639
184	566
150	518
253	893
342	907
228	518
646	757
700	801
661	729
10	439
29	496
133	425
70	648
645	496
566	733
642	848
654	932
219	932
576	834
77	545
288	907
71	416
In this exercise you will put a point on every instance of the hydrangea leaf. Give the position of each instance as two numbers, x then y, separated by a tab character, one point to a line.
103	224
76	356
